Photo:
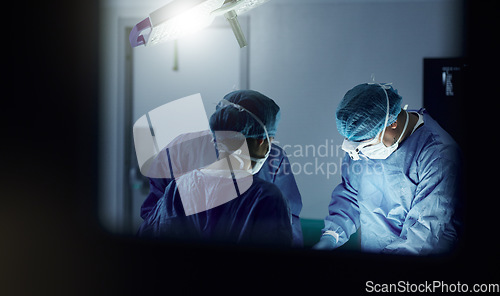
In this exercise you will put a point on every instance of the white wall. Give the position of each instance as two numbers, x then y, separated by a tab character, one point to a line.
305	55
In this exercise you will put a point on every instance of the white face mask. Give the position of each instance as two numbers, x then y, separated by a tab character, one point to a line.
259	162
379	150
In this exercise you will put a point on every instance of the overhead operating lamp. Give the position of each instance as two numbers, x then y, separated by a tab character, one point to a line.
179	18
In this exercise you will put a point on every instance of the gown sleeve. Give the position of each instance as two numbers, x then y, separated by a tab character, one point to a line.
167	218
343	211
156	190
270	217
279	172
430	225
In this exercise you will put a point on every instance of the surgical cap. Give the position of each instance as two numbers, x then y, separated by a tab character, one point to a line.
361	113
229	118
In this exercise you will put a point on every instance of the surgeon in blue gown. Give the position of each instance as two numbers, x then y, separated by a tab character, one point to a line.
265	212
275	170
400	177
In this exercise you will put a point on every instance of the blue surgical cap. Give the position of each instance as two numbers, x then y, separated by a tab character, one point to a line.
361	113
229	118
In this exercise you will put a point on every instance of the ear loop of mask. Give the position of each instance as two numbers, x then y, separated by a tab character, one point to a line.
386	116
384	86
236	153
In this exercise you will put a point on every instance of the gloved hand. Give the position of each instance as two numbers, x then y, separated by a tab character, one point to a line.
326	242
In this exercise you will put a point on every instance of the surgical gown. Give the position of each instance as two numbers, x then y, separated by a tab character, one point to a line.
260	215
276	170
404	204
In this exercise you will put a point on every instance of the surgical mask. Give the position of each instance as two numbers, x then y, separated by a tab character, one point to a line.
373	149
379	150
259	162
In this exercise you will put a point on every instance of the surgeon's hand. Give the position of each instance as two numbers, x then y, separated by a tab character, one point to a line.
326	242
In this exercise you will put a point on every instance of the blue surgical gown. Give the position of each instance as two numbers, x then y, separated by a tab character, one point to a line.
276	170
404	204
260	215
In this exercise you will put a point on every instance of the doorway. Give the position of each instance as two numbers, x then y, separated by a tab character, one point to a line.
208	62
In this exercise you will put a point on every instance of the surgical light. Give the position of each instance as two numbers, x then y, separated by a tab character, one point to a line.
183	17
